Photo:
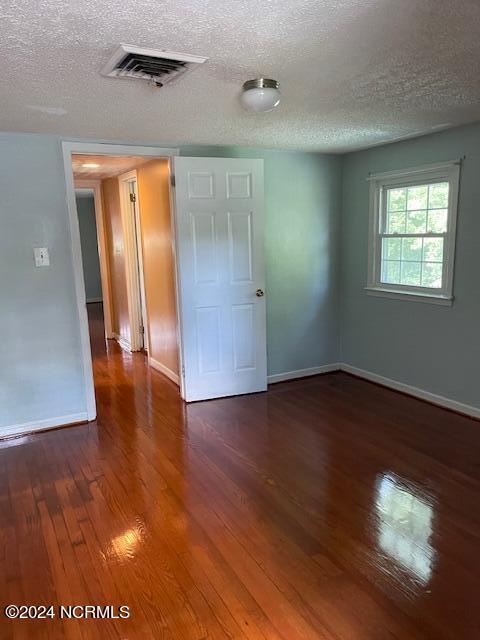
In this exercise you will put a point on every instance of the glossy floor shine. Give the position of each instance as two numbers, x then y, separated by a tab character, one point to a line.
326	508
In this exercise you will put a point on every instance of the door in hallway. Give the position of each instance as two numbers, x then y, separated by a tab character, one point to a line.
135	213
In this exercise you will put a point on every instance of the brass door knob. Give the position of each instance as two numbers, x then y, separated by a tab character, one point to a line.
259	293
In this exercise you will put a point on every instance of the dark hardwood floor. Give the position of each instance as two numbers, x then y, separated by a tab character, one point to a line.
326	508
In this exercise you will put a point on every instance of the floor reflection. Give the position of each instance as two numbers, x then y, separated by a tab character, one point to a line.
405	526
124	546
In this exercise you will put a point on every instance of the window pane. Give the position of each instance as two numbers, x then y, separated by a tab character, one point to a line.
416	221
411	273
437	221
397	199
417	197
438	196
433	249
392	248
390	272
396	222
432	275
412	249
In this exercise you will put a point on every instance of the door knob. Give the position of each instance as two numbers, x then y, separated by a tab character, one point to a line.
259	293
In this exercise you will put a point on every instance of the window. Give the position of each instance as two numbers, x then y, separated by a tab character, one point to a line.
412	233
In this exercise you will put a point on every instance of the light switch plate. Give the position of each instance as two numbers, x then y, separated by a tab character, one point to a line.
42	258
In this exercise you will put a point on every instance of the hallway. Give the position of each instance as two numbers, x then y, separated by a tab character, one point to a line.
326	508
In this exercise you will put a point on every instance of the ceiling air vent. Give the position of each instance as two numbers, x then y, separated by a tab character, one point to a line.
155	66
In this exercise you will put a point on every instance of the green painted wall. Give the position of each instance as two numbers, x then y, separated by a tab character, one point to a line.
431	347
41	376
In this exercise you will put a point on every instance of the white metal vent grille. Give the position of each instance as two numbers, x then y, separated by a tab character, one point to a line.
155	66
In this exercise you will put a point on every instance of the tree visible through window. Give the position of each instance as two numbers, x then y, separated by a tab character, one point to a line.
413	231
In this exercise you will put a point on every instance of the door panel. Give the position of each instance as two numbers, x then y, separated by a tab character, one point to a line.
243	336
208	339
240	246
201	185
239	185
204	247
219	229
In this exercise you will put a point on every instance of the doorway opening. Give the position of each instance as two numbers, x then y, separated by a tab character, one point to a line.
214	327
123	205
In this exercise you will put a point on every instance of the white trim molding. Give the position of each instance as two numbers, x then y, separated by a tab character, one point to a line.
412	296
42	425
79	281
158	366
302	373
433	398
399	173
123	342
112	149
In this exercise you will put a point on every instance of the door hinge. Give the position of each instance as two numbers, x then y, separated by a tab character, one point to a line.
133	197
183	371
172	179
142	330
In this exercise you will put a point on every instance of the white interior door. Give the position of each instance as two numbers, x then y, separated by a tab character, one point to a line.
133	194
219	237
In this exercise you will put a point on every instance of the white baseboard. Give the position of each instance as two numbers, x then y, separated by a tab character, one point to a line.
163	369
302	373
123	342
41	425
441	401
94	300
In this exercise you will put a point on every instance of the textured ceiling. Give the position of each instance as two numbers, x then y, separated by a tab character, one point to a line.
110	166
353	73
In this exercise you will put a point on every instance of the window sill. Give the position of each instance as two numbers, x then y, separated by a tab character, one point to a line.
382	292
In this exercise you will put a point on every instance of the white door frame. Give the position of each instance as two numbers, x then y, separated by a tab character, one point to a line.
133	262
69	148
95	185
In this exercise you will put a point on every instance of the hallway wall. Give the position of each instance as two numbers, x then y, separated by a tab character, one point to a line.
88	239
153	181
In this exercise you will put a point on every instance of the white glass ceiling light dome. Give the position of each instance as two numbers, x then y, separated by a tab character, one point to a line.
260	95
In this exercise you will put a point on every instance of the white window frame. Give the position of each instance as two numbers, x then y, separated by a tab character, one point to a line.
425	174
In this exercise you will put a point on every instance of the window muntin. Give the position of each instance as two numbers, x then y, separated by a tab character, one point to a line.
412	232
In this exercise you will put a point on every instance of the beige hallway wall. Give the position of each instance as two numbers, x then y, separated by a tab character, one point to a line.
153	182
116	257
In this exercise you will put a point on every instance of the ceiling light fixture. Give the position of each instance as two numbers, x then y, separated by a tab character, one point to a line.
260	95
90	165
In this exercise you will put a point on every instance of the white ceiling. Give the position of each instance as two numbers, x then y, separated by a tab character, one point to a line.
353	73
109	166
